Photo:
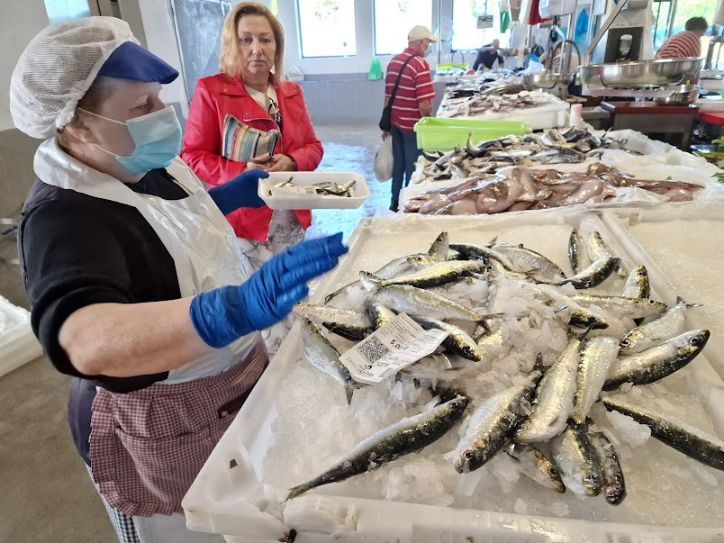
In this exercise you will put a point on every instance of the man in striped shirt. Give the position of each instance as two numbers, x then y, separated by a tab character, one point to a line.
686	43
412	101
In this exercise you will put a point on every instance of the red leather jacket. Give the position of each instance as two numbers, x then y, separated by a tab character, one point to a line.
219	95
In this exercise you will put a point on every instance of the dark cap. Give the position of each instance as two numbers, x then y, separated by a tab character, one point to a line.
131	61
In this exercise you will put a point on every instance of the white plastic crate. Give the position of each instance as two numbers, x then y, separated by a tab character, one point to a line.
17	342
228	496
551	115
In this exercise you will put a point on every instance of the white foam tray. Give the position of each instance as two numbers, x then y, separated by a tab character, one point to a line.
551	115
222	498
18	345
288	201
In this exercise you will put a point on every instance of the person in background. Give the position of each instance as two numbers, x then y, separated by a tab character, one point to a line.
412	101
247	117
687	43
137	285
487	55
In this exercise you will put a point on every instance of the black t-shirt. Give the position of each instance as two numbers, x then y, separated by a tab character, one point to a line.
487	57
77	250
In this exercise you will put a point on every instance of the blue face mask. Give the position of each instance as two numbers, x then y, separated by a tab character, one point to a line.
157	137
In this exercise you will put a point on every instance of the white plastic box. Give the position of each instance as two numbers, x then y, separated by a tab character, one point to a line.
17	342
360	191
554	114
228	495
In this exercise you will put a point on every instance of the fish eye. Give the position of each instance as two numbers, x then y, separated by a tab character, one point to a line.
469	454
696	341
625	342
652	302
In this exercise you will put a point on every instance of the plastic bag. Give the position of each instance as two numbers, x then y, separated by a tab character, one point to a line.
383	161
295	74
375	72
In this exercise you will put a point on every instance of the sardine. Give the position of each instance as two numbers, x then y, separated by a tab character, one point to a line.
595	359
593	275
438	274
614	486
324	356
657	362
681	436
477	252
440	247
378	314
668	325
577	252
553	400
404	437
344	322
635	308
598	250
458	341
525	259
424	303
492	423
579	467
534	464
637	284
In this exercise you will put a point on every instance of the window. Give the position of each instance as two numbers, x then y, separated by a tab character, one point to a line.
394	19
466	35
326	28
63	10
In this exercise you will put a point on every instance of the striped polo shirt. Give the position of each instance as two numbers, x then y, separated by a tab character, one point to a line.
415	87
684	44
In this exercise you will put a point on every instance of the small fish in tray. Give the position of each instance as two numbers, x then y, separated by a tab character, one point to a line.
321	189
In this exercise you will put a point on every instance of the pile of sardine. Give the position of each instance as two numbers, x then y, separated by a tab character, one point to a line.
543	421
325	188
519	188
478	104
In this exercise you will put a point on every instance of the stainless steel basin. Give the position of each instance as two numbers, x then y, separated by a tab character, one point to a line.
642	74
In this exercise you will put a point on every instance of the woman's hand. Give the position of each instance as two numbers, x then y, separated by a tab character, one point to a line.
281	163
261	162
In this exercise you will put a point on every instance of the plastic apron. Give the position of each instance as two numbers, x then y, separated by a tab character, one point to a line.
146	447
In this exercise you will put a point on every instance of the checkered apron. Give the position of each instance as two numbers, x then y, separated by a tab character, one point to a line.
147	447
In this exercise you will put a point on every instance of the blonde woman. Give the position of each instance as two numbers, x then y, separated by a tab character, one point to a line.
248	117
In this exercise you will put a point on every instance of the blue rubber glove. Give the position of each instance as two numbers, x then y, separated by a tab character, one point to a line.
241	191
222	315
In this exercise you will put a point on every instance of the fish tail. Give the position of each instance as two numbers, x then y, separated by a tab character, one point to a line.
298	491
680	300
349	390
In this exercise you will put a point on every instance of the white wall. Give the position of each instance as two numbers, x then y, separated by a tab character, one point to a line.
17	27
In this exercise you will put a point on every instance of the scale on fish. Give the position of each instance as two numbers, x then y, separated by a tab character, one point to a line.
657	362
458	341
324	356
343	322
438	274
596	355
404	437
683	437
593	275
637	284
579	466
635	308
534	464
598	249
492	423
614	486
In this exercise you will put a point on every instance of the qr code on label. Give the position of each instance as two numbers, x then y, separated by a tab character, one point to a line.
372	350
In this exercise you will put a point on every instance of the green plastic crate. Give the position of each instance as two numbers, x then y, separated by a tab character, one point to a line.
434	134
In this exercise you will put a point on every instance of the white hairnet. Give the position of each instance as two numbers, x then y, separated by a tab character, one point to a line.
57	68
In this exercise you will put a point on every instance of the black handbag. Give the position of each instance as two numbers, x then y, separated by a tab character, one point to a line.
386	120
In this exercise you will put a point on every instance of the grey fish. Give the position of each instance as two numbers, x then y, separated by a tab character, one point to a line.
683	437
553	400
394	267
404	437
424	303
477	252
596	355
491	424
614	486
533	463
637	284
458	341
635	308
577	252
578	464
593	275
527	259
324	356
580	318
598	249
344	322
657	362
440	273
440	247
378	314
668	325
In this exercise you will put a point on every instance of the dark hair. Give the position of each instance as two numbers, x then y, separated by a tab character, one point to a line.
696	23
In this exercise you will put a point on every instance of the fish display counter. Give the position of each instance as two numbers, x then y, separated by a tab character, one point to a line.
517	376
556	169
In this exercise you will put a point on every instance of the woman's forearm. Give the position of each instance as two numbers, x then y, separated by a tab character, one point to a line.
124	340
